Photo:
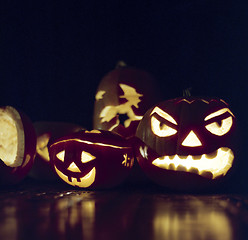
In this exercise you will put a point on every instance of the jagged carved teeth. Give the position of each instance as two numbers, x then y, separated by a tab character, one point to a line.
207	165
84	182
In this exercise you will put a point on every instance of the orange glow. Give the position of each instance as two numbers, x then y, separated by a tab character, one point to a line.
84	182
110	112
222	129
10	135
208	165
192	140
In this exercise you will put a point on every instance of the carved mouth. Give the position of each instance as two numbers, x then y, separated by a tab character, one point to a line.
83	182
207	165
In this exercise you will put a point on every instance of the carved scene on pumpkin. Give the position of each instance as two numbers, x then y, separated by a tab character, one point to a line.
123	113
122	98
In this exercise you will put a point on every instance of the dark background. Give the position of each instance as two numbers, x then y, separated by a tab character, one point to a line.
54	53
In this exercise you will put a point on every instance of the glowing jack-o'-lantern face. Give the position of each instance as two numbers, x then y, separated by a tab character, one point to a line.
96	159
122	98
190	135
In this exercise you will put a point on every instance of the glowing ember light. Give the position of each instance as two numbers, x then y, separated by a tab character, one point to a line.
217	163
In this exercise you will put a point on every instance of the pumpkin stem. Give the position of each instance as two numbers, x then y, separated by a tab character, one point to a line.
187	92
120	64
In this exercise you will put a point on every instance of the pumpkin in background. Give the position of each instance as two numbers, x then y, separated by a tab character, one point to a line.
47	132
17	145
95	159
122	98
187	143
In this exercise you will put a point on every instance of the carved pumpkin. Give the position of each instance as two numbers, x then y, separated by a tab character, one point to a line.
46	133
17	145
122	98
186	143
96	159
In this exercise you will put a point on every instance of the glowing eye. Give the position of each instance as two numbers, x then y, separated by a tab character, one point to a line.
86	157
161	130
222	129
61	155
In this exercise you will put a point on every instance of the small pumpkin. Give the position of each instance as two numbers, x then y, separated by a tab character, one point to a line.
47	132
95	159
187	143
17	145
122	98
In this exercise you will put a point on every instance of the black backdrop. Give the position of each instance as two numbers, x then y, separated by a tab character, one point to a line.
54	53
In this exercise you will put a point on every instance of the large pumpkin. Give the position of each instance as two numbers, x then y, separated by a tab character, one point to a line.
187	143
95	159
122	98
17	145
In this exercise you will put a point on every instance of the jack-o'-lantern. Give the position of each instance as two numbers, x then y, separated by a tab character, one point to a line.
46	133
122	98
187	143
17	145
95	159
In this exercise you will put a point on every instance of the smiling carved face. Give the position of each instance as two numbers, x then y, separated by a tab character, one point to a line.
96	159
189	135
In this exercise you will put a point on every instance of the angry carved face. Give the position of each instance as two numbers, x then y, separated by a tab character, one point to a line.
190	135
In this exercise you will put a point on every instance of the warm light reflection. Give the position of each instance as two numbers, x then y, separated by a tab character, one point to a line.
9	222
208	165
75	216
88	214
192	220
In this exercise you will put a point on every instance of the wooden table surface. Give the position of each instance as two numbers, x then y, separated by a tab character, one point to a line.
45	211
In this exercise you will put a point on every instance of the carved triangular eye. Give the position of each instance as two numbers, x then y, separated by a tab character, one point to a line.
86	157
61	156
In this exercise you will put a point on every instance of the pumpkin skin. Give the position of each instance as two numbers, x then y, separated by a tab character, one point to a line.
187	143
95	159
18	142
46	133
122	98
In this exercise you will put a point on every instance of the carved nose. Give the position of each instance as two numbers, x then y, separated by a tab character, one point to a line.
191	140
